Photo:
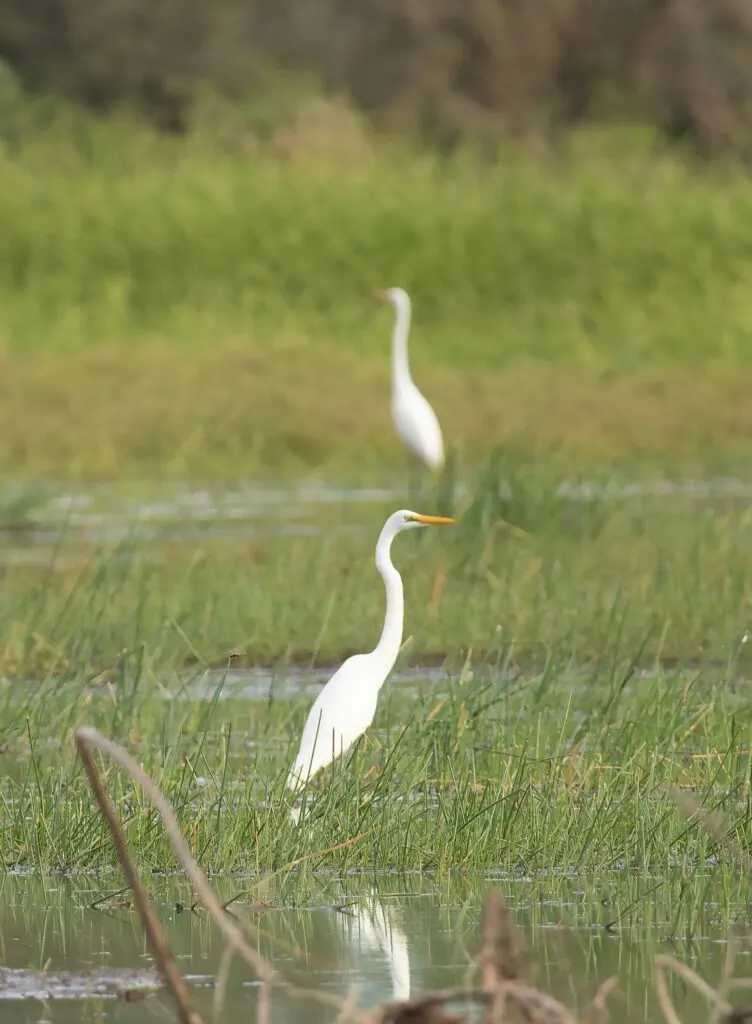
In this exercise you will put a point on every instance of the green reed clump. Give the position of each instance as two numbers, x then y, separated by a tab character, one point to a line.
565	771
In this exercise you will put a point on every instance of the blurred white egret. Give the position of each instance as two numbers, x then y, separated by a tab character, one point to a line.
345	707
414	419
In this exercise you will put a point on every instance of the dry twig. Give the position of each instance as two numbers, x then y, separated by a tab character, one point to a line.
154	932
86	737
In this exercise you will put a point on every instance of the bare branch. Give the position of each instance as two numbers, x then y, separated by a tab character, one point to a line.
232	933
154	933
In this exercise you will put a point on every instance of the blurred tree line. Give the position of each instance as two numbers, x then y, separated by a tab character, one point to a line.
447	69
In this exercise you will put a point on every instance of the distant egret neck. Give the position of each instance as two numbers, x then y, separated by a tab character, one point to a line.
400	365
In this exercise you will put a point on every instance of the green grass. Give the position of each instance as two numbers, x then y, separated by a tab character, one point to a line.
199	306
550	741
130	237
589	580
558	772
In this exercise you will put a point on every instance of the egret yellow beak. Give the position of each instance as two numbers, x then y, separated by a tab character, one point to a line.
379	293
431	520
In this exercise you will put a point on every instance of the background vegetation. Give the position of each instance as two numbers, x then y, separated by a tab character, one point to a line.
581	303
202	197
448	70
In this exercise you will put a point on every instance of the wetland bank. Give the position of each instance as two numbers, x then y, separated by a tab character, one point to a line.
560	683
188	512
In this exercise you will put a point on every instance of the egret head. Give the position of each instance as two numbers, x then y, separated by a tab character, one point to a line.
404	519
397	296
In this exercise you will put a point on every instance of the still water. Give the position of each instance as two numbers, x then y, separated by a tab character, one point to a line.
33	519
389	936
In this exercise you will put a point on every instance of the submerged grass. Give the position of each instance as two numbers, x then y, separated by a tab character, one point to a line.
550	743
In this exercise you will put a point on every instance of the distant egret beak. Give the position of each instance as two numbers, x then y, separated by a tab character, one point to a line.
380	294
431	520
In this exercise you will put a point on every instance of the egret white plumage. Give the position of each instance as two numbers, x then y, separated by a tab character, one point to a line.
347	704
414	420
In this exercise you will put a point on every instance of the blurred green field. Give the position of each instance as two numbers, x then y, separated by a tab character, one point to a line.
603	255
203	304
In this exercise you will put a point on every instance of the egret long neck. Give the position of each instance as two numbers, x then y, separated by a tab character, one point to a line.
400	365
389	643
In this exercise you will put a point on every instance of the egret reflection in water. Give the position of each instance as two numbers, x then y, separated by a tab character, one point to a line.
374	930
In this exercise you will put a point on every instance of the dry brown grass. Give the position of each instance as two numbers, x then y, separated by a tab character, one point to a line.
298	407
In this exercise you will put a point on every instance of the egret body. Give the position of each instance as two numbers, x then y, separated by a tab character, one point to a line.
347	704
414	420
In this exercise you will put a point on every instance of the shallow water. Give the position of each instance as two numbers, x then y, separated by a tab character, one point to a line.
389	936
181	512
289	683
175	512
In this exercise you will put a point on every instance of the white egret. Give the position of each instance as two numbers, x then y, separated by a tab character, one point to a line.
414	419
345	707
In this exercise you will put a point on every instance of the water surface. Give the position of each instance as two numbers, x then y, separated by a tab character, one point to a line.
183	512
390	936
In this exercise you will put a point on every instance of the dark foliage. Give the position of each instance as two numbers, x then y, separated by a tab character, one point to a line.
445	68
